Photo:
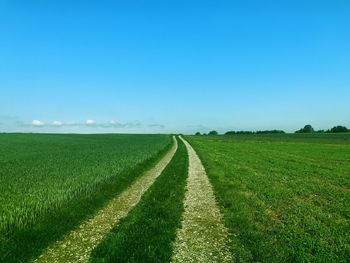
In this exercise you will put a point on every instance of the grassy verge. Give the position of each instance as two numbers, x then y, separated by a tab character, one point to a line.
25	244
147	233
283	201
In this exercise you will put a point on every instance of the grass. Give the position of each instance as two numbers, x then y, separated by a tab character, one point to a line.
147	233
285	198
331	138
49	179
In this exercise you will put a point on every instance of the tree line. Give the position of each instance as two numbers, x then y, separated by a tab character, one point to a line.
306	129
309	129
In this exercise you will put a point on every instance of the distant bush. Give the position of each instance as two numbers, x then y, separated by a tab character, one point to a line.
213	133
238	132
254	132
198	133
244	132
307	129
339	129
270	131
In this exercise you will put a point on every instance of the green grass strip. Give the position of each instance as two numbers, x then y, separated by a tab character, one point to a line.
26	245
283	201
147	233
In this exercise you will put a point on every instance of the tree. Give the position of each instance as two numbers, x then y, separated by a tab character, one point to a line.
254	132
198	133
339	129
244	132
269	131
213	133
307	129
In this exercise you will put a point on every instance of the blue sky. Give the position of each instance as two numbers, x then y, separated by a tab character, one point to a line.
173	66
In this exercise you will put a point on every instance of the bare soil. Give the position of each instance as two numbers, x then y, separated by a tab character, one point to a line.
203	236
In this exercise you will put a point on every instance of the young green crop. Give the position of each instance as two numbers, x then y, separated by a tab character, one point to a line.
147	233
285	198
47	180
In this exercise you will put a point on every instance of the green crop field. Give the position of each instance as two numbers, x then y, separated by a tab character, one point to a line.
174	131
50	183
285	198
147	233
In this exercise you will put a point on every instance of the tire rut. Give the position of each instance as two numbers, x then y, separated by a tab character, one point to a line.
202	237
77	245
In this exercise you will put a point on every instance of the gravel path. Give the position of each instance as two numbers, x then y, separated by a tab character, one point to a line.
78	244
203	237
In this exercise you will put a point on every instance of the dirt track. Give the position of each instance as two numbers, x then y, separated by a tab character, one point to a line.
202	237
78	244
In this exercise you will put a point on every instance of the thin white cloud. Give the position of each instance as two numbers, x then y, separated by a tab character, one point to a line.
197	128
73	124
90	122
114	123
37	123
57	123
156	125
133	124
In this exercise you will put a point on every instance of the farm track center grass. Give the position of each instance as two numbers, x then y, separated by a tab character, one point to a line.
285	198
50	183
147	233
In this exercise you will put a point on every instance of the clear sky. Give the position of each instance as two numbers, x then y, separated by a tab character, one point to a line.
173	66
